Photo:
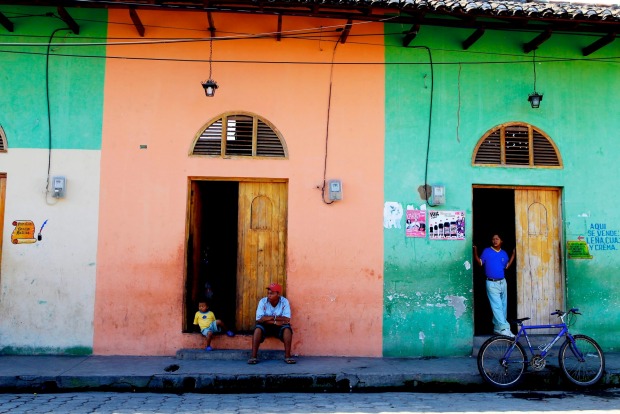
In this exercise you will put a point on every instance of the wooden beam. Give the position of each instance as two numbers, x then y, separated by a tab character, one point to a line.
136	21
4	21
473	38
279	35
211	23
603	41
537	41
66	17
411	34
346	31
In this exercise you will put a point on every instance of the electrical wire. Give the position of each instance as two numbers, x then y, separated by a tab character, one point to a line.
329	107
192	40
49	112
430	121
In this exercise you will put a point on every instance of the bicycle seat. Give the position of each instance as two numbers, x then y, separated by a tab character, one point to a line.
519	321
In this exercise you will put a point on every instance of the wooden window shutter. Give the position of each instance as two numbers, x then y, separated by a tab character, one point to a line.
239	134
3	145
516	144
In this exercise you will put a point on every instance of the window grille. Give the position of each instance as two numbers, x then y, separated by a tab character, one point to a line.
240	134
3	145
517	144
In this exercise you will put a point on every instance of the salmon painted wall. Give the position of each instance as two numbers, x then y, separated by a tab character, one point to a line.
334	258
48	284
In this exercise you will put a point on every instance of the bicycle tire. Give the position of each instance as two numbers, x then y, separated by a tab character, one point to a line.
494	369
590	370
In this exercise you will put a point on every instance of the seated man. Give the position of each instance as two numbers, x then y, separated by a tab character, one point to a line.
273	318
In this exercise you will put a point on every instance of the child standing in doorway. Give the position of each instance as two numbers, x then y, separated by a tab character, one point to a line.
205	319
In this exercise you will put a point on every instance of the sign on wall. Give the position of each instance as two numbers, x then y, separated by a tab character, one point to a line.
24	230
446	225
416	223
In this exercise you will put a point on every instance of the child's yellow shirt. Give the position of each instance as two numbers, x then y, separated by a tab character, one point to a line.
204	320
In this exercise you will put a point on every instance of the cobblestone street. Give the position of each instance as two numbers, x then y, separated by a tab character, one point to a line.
603	401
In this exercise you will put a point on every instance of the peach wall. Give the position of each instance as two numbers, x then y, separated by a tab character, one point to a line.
334	263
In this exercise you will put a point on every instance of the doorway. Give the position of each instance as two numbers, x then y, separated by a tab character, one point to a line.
528	219
2	195
494	213
212	249
236	246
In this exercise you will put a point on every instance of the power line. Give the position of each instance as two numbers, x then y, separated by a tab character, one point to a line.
283	62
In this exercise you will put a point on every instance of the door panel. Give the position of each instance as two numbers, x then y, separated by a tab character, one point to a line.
2	195
540	280
262	245
194	244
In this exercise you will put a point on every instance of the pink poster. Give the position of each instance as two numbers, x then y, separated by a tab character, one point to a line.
416	223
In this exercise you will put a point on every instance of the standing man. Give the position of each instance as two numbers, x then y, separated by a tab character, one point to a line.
273	318
495	261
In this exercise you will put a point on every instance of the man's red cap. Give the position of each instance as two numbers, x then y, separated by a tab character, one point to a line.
275	287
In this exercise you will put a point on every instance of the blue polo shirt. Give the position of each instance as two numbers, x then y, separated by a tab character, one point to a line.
494	262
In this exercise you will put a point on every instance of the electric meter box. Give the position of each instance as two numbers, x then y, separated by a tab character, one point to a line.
335	190
438	195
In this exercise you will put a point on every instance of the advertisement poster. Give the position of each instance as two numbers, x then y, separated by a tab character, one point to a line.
416	223
446	225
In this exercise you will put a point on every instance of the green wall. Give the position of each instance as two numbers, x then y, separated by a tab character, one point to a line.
75	83
428	285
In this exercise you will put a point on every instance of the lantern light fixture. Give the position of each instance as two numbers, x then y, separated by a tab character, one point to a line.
210	85
535	98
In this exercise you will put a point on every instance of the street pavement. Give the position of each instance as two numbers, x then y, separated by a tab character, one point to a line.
226	371
564	402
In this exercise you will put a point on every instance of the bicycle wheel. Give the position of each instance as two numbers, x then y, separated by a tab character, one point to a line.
582	371
497	369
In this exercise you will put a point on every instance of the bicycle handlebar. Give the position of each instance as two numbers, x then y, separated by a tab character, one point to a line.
561	313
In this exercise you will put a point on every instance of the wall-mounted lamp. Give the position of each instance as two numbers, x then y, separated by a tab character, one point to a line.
534	98
210	85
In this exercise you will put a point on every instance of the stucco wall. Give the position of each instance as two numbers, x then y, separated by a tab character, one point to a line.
334	268
48	286
475	90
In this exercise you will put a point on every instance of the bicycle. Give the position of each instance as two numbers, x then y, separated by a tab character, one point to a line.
502	360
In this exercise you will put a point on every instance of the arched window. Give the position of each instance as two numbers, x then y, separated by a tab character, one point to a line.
3	144
516	144
239	134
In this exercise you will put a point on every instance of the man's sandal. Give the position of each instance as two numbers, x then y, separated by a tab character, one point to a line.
253	361
290	361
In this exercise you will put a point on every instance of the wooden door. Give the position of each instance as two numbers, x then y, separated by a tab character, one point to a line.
262	245
540	278
2	194
194	247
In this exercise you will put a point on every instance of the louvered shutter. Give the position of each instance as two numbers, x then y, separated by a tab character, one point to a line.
516	144
490	151
240	135
2	141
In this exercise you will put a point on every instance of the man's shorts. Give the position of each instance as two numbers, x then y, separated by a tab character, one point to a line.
273	330
211	328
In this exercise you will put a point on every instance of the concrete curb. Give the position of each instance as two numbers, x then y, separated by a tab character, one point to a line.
43	374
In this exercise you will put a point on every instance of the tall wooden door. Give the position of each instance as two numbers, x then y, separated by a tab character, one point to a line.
540	277
262	245
194	247
2	194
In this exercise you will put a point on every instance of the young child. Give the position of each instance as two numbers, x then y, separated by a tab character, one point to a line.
205	319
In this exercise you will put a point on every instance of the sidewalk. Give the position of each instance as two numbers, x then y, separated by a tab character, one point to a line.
226	371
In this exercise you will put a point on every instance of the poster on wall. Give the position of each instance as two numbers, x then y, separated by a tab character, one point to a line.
446	225
416	223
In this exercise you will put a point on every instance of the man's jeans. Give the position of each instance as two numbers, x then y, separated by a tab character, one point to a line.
498	298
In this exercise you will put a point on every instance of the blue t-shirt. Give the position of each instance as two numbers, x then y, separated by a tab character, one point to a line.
494	262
